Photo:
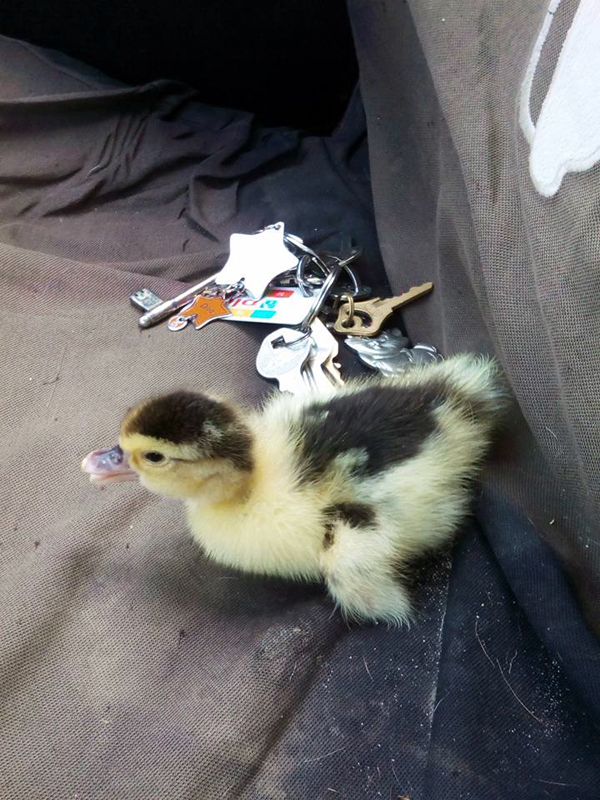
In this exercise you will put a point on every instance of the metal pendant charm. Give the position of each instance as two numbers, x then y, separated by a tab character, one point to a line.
388	353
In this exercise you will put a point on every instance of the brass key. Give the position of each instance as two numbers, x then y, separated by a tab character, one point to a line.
366	317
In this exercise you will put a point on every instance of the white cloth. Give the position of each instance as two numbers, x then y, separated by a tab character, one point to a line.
566	137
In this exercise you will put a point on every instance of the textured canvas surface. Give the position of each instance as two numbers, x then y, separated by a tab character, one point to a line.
130	667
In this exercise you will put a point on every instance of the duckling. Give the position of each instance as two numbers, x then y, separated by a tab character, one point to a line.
348	486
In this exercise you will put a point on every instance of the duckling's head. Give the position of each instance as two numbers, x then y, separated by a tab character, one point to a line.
184	445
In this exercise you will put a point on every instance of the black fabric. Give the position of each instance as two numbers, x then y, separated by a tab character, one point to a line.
497	255
129	665
289	62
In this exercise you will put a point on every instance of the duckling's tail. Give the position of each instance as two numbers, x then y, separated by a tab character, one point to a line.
476	381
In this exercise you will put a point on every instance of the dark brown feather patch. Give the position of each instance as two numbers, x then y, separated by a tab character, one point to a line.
389	424
357	515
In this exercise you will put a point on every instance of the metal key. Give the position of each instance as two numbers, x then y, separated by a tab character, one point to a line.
313	372
320	372
282	355
332	370
368	316
329	367
287	367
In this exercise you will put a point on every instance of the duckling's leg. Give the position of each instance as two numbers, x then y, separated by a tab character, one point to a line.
358	564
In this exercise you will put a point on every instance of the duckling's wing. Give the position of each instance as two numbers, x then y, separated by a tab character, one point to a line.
372	427
378	424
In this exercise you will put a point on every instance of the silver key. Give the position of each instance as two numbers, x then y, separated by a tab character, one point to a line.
320	372
323	334
322	349
282	355
332	370
313	372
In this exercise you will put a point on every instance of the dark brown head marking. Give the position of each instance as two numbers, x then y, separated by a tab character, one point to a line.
194	419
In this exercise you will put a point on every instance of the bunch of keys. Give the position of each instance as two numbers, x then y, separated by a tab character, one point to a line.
302	357
255	261
303	360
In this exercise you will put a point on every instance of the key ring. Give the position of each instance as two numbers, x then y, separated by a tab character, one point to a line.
321	297
281	342
317	305
297	242
301	280
347	299
226	292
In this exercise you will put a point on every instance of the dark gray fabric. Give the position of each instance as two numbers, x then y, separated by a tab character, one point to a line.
515	275
514	272
269	57
130	667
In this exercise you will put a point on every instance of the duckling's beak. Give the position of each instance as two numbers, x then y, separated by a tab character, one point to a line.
108	466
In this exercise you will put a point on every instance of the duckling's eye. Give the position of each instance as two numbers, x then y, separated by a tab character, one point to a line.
154	458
